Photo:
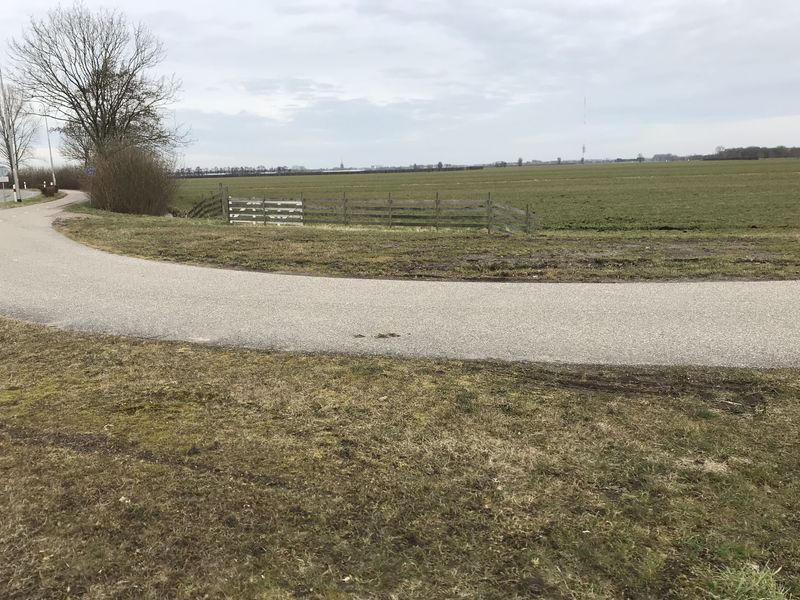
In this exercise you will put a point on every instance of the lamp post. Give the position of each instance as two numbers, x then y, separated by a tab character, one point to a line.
12	136
49	149
43	114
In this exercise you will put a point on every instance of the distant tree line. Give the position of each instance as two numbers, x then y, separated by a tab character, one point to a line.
747	153
189	172
68	176
755	153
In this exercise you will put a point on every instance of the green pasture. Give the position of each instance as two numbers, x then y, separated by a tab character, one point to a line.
694	195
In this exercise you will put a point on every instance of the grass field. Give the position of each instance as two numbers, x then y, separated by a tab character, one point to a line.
684	195
153	470
551	255
699	220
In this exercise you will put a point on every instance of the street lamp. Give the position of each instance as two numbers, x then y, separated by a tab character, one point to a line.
43	114
49	148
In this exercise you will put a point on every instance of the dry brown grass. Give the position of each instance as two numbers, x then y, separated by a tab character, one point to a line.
547	256
135	469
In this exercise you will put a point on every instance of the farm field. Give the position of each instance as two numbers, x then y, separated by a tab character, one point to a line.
134	468
677	221
682	195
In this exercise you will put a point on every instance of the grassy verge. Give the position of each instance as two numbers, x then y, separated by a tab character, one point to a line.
551	255
32	200
152	470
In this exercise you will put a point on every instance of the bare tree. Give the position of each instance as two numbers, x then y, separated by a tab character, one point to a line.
16	120
93	72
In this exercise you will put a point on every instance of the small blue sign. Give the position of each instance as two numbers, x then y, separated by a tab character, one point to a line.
91	170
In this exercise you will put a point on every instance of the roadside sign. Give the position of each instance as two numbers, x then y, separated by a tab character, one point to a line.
3	179
90	170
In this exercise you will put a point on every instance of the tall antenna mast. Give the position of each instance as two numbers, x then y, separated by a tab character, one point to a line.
583	154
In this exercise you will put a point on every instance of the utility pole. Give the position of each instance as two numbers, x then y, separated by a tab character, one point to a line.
49	149
12	136
583	153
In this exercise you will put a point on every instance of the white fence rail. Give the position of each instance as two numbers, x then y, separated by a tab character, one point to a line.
261	212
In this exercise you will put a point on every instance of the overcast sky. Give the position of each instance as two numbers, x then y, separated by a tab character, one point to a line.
379	82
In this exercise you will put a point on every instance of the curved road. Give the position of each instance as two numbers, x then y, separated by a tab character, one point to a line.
49	279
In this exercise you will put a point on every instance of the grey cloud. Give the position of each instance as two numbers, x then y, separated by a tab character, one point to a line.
323	29
310	7
462	80
306	88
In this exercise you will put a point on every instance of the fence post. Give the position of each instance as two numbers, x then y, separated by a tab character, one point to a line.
302	209
528	227
390	210
264	209
489	213
223	200
344	208
436	219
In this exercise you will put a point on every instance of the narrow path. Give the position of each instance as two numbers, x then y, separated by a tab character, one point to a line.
47	278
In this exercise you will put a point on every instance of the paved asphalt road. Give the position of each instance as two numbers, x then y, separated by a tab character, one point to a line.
47	278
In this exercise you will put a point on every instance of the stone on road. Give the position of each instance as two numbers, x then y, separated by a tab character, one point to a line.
47	278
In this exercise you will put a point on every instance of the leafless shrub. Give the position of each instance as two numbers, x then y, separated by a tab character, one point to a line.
68	177
132	179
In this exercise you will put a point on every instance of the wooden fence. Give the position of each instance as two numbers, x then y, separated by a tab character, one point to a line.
260	212
213	206
479	214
